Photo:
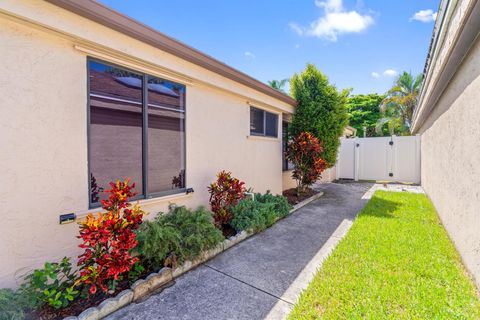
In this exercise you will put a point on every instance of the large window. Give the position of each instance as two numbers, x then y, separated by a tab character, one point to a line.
263	123
136	131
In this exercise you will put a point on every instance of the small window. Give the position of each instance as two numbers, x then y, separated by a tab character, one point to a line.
263	123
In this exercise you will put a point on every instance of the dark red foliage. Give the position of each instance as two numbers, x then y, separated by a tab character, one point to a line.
304	151
225	192
108	239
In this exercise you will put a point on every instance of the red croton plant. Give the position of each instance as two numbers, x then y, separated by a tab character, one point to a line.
304	151
108	238
225	192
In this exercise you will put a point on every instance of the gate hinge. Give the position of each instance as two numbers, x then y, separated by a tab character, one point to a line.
391	143
390	174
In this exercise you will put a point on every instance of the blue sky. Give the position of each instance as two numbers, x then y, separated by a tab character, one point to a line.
357	44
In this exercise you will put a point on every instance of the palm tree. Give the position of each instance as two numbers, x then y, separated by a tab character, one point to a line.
397	107
278	84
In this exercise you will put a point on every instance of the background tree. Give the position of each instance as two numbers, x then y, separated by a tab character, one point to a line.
364	111
321	110
397	108
278	84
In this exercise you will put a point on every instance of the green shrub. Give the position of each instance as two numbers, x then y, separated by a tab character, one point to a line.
252	215
180	235
53	285
280	203
12	305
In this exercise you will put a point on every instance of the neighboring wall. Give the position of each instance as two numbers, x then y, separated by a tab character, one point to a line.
43	129
450	155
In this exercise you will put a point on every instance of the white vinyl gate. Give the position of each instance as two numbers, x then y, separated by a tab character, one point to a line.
380	158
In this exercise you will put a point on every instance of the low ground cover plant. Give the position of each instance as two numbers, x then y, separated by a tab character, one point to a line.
225	193
260	212
251	215
396	262
13	305
182	234
53	285
280	203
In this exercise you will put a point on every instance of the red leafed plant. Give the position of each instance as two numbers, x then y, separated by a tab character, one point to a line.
304	151
108	238
225	192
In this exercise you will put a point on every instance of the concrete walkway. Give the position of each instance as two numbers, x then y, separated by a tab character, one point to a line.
262	276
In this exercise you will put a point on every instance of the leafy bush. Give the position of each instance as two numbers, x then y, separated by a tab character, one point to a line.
252	215
179	235
108	238
53	285
280	203
305	151
12	305
224	194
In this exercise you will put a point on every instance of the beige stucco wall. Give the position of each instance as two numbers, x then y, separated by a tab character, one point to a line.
451	159
43	130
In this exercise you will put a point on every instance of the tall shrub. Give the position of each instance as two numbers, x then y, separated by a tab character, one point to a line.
305	151
225	193
321	110
108	238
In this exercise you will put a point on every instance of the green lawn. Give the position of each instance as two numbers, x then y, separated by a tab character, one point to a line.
396	262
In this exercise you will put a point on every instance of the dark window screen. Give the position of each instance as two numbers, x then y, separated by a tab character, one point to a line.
256	121
271	124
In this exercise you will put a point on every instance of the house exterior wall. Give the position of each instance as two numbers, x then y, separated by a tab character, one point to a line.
450	159
43	129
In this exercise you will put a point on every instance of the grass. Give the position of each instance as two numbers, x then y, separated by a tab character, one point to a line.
396	262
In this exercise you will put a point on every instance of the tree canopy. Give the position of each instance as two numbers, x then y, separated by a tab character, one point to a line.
278	84
364	111
321	110
398	106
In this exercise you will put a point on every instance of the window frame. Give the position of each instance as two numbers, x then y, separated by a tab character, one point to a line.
144	195
264	133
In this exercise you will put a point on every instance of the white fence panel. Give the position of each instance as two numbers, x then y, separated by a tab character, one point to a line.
380	158
375	158
346	159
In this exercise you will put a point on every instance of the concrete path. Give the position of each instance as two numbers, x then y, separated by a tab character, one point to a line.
262	276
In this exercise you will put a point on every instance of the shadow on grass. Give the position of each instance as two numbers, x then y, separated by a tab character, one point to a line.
380	208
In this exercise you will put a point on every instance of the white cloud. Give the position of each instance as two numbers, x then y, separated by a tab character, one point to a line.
424	16
390	73
297	46
249	55
335	21
296	28
386	73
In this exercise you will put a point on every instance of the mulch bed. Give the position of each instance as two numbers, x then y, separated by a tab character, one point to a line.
293	197
228	231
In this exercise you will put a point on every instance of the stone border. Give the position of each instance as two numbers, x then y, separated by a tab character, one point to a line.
155	281
306	201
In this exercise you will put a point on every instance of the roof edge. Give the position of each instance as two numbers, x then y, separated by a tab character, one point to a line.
467	33
117	21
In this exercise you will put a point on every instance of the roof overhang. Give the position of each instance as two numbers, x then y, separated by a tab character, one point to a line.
433	87
112	19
